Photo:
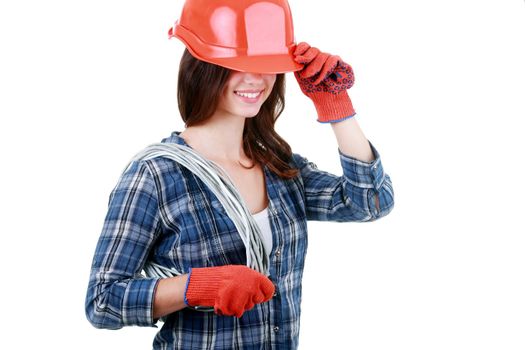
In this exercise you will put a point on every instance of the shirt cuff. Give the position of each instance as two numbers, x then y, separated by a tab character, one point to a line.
363	174
137	306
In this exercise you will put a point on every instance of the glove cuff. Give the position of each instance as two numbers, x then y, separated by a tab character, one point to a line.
202	286
332	107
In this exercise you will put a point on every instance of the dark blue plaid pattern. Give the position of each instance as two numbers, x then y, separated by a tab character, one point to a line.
160	211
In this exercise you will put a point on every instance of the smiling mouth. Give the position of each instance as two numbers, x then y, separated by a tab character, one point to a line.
250	95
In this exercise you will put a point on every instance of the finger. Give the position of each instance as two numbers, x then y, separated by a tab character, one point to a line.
229	312
233	299
307	56
328	67
315	66
344	75
218	310
249	306
347	71
301	48
259	296
267	288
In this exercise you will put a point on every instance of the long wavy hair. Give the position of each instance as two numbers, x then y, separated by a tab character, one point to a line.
199	89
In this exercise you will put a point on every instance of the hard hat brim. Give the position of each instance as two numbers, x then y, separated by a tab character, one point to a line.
264	64
268	64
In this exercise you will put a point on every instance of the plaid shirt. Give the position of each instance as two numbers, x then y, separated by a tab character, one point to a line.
162	212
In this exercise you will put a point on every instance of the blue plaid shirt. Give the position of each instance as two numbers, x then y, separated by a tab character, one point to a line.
162	212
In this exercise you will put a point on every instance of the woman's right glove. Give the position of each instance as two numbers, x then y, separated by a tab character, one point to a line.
230	289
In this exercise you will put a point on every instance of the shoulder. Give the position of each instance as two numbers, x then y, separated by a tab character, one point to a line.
155	156
154	161
299	161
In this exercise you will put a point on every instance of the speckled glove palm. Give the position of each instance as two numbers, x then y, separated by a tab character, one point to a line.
325	79
230	289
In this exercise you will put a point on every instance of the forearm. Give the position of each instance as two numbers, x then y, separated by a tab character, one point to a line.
351	140
169	296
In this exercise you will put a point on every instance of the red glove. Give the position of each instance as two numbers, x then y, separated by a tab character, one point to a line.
230	289
325	79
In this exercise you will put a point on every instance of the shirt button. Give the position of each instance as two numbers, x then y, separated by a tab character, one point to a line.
276	329
278	252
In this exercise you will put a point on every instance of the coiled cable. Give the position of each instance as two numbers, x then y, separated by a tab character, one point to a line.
220	183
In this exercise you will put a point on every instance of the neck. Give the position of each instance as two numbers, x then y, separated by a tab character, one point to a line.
217	143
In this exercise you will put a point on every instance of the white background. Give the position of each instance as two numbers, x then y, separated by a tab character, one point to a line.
439	91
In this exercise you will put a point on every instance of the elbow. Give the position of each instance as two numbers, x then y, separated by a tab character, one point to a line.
388	197
375	214
100	315
383	212
382	202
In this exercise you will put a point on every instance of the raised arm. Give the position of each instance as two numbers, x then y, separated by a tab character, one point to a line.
364	192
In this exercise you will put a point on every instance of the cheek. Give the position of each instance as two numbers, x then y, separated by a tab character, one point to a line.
271	82
269	91
226	99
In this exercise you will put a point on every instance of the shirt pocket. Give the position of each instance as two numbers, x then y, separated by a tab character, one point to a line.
208	236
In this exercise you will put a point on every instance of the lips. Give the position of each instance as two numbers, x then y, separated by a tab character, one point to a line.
250	97
249	93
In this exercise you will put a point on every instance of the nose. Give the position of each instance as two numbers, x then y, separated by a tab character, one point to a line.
253	76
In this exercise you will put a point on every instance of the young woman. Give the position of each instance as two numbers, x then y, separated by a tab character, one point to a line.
160	212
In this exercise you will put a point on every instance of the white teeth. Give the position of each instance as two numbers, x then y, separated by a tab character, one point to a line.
249	95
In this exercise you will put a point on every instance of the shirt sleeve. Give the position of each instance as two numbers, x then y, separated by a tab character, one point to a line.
363	193
118	295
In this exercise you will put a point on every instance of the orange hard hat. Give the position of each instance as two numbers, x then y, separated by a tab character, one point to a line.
248	36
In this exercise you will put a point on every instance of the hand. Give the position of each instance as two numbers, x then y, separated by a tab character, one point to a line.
230	289
325	79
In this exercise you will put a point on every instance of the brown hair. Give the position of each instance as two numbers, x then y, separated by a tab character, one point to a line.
200	85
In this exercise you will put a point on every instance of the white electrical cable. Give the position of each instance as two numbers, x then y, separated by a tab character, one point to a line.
218	181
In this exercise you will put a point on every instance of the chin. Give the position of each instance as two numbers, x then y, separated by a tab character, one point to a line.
248	113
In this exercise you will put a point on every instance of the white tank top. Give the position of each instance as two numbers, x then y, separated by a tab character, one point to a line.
261	218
